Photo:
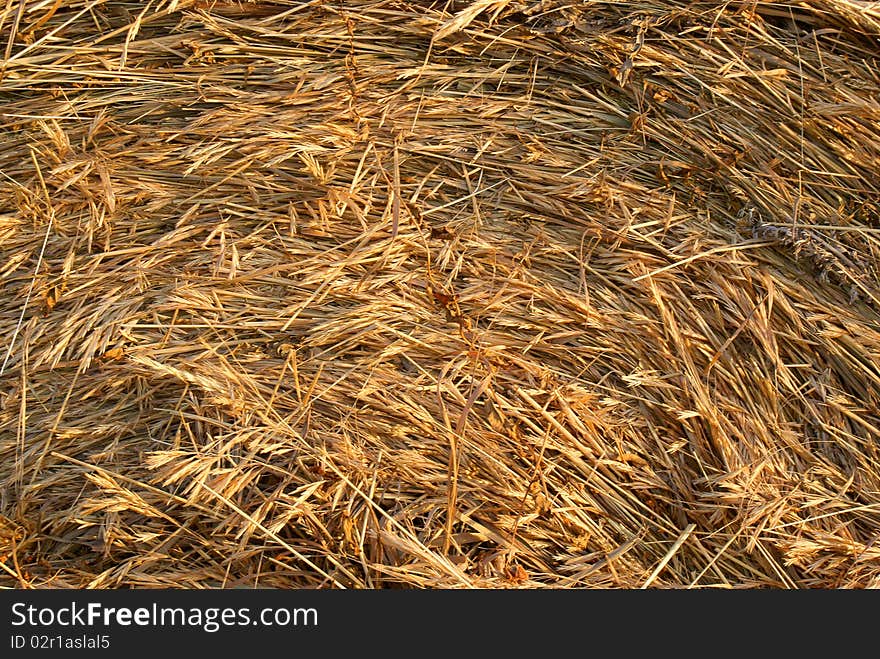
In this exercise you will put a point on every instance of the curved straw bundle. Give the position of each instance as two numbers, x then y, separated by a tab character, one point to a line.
492	294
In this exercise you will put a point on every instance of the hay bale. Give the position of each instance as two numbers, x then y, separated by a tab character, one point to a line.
492	293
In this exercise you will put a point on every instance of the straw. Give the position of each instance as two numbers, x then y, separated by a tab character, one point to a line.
491	294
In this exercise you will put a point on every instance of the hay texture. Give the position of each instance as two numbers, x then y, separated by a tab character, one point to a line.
492	294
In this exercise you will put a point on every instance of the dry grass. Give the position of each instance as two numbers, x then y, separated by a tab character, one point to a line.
493	294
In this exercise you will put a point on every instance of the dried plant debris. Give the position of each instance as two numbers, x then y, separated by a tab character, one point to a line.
833	261
484	293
